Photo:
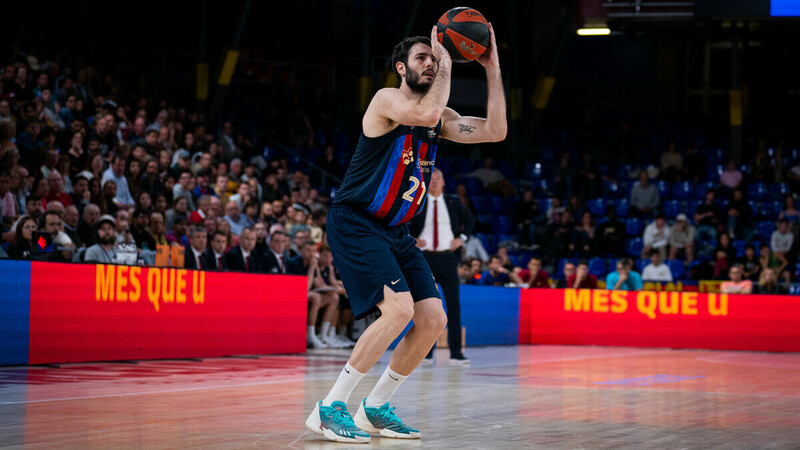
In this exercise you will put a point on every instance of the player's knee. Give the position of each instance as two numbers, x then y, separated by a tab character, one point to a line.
434	320
314	300
398	306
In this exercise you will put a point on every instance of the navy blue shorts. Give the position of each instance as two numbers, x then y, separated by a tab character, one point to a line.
370	255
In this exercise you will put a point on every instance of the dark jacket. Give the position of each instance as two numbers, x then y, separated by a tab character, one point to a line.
207	258
235	260
461	220
271	264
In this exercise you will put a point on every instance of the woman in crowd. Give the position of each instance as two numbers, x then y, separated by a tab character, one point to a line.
144	201
96	193
768	283
225	227
20	247
133	173
180	208
64	167
790	213
76	155
160	204
95	165
583	236
725	255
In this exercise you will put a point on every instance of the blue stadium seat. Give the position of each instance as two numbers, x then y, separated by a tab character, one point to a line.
479	202
701	189
663	188
541	188
500	238
559	275
597	206
714	172
497	205
756	191
515	260
641	263
501	224
612	265
611	190
764	230
738	245
625	188
671	208
714	155
690	208
772	209
633	226
635	246
474	185
545	204
443	163
534	170
504	167
624	172
460	166
755	208
682	190
778	191
676	267
597	267
622	204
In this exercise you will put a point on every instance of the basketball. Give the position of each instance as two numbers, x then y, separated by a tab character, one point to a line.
464	32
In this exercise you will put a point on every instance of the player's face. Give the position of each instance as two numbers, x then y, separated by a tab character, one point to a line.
421	68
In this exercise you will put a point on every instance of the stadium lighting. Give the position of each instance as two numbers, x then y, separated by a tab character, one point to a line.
594	31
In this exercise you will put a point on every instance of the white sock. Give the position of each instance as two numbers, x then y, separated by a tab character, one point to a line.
384	390
331	333
325	327
310	331
347	381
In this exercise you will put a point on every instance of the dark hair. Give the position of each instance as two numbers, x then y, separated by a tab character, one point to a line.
583	262
277	232
32	198
197	229
783	220
653	252
43	219
217	232
400	52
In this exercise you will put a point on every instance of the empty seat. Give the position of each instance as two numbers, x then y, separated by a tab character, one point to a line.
671	208
682	190
597	206
676	267
778	191
597	267
633	226
501	224
757	191
635	246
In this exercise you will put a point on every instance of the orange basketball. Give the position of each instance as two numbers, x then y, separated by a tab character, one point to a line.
464	32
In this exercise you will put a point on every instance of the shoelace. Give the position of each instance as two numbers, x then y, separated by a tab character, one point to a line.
343	417
388	414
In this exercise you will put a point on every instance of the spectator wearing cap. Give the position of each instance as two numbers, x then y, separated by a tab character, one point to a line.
116	173
242	258
199	256
681	239
582	279
104	251
235	218
656	236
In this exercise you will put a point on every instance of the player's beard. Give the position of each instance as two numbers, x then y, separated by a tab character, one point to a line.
414	83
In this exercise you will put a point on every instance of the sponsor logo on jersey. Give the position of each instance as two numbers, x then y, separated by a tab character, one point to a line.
408	156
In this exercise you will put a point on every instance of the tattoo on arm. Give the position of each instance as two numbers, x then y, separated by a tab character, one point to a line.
464	128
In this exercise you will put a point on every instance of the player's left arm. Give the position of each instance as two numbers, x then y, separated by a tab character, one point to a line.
493	128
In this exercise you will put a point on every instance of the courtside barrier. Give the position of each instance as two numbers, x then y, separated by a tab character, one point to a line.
660	319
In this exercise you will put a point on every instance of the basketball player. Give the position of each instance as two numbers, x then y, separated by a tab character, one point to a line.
379	263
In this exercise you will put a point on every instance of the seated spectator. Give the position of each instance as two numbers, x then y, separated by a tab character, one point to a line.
681	239
219	244
731	178
464	273
533	276
105	250
307	263
198	255
582	240
141	222
555	211
736	285
610	234
71	219
201	184
751	266
235	219
202	211
566	272
242	196
108	201
502	252
157	229
582	279
299	219
34	206
473	273
725	255
768	283
317	224
116	173
775	261
526	215
497	275
671	163
21	246
241	257
91	213
790	213
123	226
738	222
624	279
707	217
559	236
221	188
782	239
177	236
656	236
150	181
51	222
183	188
492	179
645	198
275	256
225	228
657	270
7	204
55	184
301	236
80	191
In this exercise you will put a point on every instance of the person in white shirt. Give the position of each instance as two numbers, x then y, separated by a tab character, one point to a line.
656	270
656	236
782	239
116	173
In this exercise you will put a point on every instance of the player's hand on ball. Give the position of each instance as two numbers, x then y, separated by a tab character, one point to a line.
489	57
439	52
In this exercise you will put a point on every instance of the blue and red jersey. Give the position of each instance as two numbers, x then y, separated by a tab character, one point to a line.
389	175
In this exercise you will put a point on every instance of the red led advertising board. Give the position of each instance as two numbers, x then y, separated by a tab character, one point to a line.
108	312
659	319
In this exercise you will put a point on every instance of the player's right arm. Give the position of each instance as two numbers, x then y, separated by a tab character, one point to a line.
391	106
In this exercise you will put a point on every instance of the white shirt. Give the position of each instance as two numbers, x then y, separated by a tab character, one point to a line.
657	273
655	237
781	242
197	258
444	228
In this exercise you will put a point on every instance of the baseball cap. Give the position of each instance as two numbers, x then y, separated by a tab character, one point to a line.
106	218
301	207
681	218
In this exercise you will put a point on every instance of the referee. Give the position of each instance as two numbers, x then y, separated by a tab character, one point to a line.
441	229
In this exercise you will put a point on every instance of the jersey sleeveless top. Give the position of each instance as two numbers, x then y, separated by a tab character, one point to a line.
388	175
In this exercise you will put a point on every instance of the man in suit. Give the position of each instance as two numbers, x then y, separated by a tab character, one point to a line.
219	241
275	260
441	229
242	258
198	256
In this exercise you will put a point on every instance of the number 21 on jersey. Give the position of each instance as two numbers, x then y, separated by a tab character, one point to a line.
415	184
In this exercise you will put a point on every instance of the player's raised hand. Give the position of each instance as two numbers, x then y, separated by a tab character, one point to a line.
439	52
489	57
